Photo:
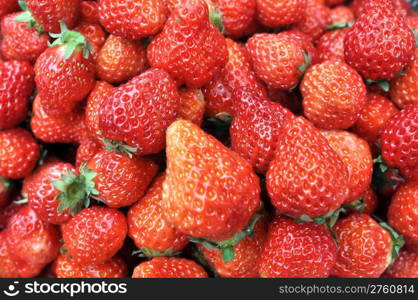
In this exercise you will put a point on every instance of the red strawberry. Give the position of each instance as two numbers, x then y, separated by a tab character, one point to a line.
306	178
94	34
356	155
209	191
412	22
8	6
19	153
405	266
64	73
16	86
87	149
120	59
132	19
331	45
297	250
66	267
189	47
371	123
192	105
360	6
380	44
288	100
305	41
278	13
277	59
169	267
94	235
317	18
256	128
6	188
139	112
365	247
148	227
342	15
49	13
334	2
403	215
20	42
32	239
333	95
369	201
7	212
89	12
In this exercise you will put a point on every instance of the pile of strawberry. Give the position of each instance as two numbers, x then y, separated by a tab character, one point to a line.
200	138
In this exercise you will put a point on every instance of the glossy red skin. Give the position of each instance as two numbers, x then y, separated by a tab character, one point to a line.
356	155
364	247
405	266
20	153
169	267
120	59
65	267
192	105
203	177
306	177
380	44
285	253
132	19
400	142
89	12
247	254
5	191
317	18
189	47
305	41
7	7
32	239
342	14
139	112
27	181
7	212
42	194
94	235
256	127
95	35
360	6
334	2
21	42
69	129
16	85
371	123
121	180
276	59
334	95
412	21
288	100
62	83
49	13
148	227
87	149
403	215
331	45
370	201
279	13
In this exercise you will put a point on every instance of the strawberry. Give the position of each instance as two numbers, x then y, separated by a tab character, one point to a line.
341	15
139	112
64	73
331	45
278	60
278	13
19	153
334	2
49	13
369	201
87	149
360	6
256	127
203	177
65	267
120	59
6	188
7	7
6	212
317	18
189	47
32	239
288	100
412	22
285	252
89	11
365	247
305	41
405	266
403	215
333	95
94	235
94	34
169	267
356	155
192	105
400	142
306	178
16	86
371	123
380	44
403	89
20	42
148	227
132	19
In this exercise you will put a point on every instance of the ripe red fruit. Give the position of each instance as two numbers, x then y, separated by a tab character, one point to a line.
6	213
316	19
306	178
342	15
89	12
203	177
278	13
19	153
87	149
94	34
192	105
16	86
189	47
169	267
405	266
360	6
285	253
305	41
334	94
370	201
94	235
8	6
331	45
6	188
139	112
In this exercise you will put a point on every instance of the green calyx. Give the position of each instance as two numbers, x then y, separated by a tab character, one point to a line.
397	240
414	31
117	146
381	163
145	252
384	84
339	25
227	247
215	16
73	41
303	68
6	183
27	17
357	205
